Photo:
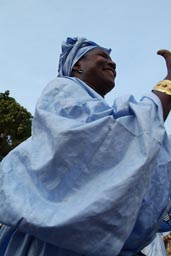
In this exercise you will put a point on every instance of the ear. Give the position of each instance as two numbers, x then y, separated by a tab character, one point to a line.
76	67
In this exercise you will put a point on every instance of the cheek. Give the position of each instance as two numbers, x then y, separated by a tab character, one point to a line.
90	70
101	64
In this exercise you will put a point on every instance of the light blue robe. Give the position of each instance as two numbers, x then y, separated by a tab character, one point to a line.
92	180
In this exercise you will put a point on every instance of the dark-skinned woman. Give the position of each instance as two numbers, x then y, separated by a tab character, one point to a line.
92	180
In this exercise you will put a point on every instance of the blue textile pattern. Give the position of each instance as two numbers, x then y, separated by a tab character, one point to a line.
5	236
72	50
92	180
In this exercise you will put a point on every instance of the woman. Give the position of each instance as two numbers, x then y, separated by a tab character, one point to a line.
92	179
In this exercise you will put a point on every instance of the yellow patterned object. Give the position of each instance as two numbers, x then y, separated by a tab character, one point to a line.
163	86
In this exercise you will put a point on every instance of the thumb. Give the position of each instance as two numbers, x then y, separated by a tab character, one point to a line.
164	53
167	57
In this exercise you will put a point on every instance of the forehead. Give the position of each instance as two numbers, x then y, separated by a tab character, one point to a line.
98	50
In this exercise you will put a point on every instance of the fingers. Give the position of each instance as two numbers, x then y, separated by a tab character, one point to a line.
167	57
164	53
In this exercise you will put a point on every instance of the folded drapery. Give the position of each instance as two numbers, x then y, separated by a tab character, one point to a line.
92	179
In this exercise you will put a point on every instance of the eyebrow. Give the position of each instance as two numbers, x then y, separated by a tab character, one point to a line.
105	53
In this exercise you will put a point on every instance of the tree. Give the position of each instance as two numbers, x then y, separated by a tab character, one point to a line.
15	123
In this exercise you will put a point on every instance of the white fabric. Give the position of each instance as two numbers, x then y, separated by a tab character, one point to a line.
156	247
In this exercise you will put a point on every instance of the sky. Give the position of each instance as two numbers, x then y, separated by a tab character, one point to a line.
32	32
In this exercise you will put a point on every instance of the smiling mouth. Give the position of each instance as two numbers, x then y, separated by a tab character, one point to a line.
112	71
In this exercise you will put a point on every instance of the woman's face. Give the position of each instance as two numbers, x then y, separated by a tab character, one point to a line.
98	70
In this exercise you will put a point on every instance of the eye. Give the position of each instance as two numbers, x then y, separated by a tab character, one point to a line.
103	55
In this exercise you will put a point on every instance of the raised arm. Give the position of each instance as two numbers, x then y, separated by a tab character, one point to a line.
162	88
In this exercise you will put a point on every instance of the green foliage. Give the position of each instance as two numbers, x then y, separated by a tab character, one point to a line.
15	123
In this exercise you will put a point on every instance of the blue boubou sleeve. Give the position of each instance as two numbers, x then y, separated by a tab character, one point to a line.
90	174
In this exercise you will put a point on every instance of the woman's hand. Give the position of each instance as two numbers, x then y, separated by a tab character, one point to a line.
164	98
167	56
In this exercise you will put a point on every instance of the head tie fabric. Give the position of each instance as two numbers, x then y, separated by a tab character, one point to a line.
72	50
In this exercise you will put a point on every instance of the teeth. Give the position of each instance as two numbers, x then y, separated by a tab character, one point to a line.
110	71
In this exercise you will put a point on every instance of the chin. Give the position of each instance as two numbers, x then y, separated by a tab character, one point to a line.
109	87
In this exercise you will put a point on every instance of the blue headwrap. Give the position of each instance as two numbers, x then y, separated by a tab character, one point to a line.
72	50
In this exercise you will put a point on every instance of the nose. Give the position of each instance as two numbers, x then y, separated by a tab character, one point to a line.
112	64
